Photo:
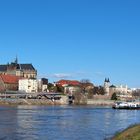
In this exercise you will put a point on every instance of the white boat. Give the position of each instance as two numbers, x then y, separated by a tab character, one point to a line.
126	105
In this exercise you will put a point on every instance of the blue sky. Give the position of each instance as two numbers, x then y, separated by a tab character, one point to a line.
74	39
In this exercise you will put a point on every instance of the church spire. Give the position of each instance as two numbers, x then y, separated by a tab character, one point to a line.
107	80
16	60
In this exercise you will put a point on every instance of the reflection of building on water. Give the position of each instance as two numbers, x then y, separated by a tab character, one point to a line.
26	122
8	125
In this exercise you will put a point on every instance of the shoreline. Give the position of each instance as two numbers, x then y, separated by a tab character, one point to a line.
130	133
17	102
100	102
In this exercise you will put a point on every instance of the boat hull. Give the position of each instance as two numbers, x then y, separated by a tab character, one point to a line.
128	108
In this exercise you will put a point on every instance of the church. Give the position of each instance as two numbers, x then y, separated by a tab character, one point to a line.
17	69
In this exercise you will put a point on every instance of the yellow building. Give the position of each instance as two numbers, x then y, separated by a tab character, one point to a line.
22	70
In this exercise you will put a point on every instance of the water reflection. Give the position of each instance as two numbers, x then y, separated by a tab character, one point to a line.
8	122
63	122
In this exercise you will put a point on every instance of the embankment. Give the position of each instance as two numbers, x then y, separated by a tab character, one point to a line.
131	133
31	102
62	101
100	102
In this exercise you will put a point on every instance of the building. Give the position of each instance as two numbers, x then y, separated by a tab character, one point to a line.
122	89
122	92
72	89
119	89
68	82
112	89
21	70
28	85
43	85
9	82
106	86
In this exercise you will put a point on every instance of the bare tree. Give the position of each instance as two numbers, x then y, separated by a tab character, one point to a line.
85	81
84	84
79	99
98	90
136	93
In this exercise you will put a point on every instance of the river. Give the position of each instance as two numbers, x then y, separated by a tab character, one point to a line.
63	122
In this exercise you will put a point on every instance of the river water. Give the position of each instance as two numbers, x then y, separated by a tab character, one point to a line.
63	122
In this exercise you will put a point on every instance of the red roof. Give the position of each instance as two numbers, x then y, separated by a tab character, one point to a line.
10	79
68	82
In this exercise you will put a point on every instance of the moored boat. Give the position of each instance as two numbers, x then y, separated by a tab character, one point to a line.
126	105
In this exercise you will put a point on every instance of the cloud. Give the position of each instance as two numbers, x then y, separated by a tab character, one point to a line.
72	75
42	76
81	73
61	75
100	74
56	75
69	75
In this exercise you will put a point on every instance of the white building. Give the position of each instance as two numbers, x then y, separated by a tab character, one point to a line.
28	85
106	86
122	89
71	89
43	85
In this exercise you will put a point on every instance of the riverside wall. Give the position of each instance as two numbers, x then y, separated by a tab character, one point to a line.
62	101
100	102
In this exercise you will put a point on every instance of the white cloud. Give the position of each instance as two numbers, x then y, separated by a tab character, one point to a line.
72	75
100	74
61	75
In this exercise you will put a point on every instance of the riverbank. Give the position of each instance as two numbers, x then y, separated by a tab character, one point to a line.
100	102
31	102
131	133
62	101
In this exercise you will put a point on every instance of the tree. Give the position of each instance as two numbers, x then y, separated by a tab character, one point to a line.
136	93
79	99
98	91
95	91
114	96
85	81
51	87
90	94
85	84
60	88
101	90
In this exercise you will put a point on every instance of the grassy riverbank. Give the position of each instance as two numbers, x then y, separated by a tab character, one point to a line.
131	133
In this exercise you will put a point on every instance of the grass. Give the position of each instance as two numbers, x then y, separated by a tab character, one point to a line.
131	133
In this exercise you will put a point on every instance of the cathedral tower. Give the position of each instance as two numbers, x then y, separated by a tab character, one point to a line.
106	86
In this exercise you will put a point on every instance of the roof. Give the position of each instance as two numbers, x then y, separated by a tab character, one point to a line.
3	68
10	79
112	86
44	81
26	67
68	82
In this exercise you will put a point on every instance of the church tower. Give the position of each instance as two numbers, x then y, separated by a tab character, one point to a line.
16	60
106	86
